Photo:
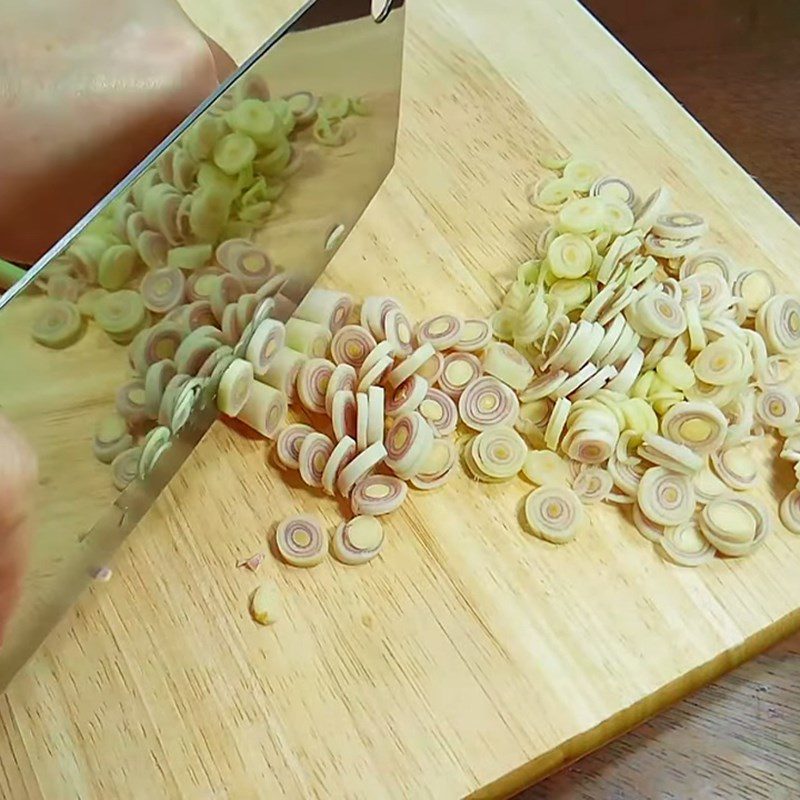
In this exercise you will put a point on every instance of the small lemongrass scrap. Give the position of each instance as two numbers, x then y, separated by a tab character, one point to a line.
265	607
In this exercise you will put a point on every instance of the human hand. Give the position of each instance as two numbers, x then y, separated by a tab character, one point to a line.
17	477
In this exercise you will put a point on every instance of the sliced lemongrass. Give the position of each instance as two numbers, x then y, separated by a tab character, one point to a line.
557	423
545	468
707	485
582	215
639	416
266	342
235	387
499	453
593	384
135	225
232	328
626	474
287	444
341	455
734	524
301	541
152	248
554	161
574	294
59	325
460	369
226	289
308	338
343	378
245	309
408	443
628	373
163	289
532	420
190	256
265	309
723	362
272	286
169	399
375	374
125	467
475	335
680	225
265	605
735	467
358	541
612	188
249	263
612	400
487	402
614	333
685	544
698	425
89	299
398	333
351	345
791	449
130	401
589	446
707	261
776	407
111	438
618	217
200	284
361	466
593	484
373	314
558	352
656	314
789	511
441	332
377	495
554	513
755	287
379	353
193	352
156	443
115	267
582	346
326	307
676	372
591	415
570	256
312	384
409	366
362	420
283	370
623	297
344	414
407	396
575	381
666	497
778	322
304	107
375	414
315	451
581	174
439	410
550	194
503	362
544	386
668	454
663	247
651	531
120	314
719	396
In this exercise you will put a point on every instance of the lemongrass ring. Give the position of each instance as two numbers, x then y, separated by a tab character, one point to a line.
307	338
755	287
342	378
776	407
506	364
460	369
301	541
707	261
373	314
437	468
111	438
582	215
288	442
407	396
408	442
666	497
570	256
671	455
234	387
360	467
499	452
397	330
553	513
593	484
558	354
441	332
225	290
734	524
556	423
545	468
344	414
130	401
626	474
550	194
487	402
686	545
411	365
170	397
193	351
735	467
59	325
661	314
574	381
680	225
358	541
325	307
583	345
247	262
341	455
312	384
375	374
475	335
351	345
543	386
377	495
789	511
362	420
199	313
125	467
628	373
612	188
439	410
315	450
699	426
723	362
596	382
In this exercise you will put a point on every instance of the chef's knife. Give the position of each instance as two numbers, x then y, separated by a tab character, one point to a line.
329	48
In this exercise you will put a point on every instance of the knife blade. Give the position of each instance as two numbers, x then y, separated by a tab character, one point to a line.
328	48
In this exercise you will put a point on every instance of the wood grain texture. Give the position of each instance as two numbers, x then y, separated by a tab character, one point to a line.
469	658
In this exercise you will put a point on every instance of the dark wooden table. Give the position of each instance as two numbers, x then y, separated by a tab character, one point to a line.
735	65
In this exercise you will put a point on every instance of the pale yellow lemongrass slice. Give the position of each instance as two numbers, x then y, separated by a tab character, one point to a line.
499	452
778	322
283	371
789	511
626	474
570	256
593	484
351	345
343	378
589	446
358	541
408	443
686	545
698	425
59	325
301	541
554	513
665	453
475	335
267	339
776	407
666	497
438	409
707	261
459	370
617	189
628	373
411	365
342	454
734	524
505	363
670	248
680	225
722	362
755	287
437	468
315	451
288	442
130	401
265	606
736	467
557	423
676	372
582	215
651	531
545	468
378	494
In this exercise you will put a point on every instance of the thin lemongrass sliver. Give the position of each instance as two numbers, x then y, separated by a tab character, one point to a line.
707	261
358	541
362	420
155	445
375	414
543	386
439	410
170	397
301	541
377	495
664	452
554	513
557	423
287	444
341	455
265	605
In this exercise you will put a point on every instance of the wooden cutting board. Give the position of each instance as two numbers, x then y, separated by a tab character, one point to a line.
469	657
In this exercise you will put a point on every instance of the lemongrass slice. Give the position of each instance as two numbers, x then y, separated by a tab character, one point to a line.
550	194
575	381
377	495
375	374
475	335
152	248
582	215
439	410
361	466
362	420
235	387
656	314
776	407
343	378
397	329
499	452
734	524
312	384
373	314
351	345
545	468
287	445
671	455
789	511
612	188
201	283
554	513
432	368
407	396
163	289
487	402
120	314
308	338
680	225
592	385
700	425
685	544
581	173
283	370
723	362
130	402
593	484
437	468
193	352
707	485
506	364
341	455
89	299
225	290
375	414
755	287
344	415
381	351
264	345
707	261
170	398
125	467
628	373
544	386
556	423
326	307
441	332
532	420
411	365
247	262
408	443
315	451
626	474
358	541
570	256
111	438
735	467
778	322
59	325
460	369
301	541
666	497
581	347
651	531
